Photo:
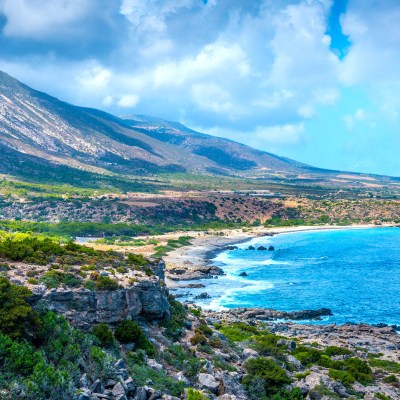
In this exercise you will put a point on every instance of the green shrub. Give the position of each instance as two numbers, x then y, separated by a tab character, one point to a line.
182	360
359	369
337	351
137	259
194	394
390	379
204	329
195	311
106	283
175	323
264	377
104	334
238	331
343	376
387	365
53	279
17	318
307	355
160	380
294	394
381	396
90	285
130	332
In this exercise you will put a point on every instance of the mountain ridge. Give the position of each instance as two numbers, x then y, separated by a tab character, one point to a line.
41	131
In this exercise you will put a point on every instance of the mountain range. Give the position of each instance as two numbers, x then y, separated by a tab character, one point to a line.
45	139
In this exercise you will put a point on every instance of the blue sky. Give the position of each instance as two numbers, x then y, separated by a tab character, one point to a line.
314	80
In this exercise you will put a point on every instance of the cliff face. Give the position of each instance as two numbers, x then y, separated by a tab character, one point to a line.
84	308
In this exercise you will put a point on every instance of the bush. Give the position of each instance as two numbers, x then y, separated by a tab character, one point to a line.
238	331
53	279
343	376
175	323
106	283
265	376
104	334
194	394
17	318
130	332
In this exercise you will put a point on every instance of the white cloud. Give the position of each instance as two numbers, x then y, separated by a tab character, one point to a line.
41	19
128	101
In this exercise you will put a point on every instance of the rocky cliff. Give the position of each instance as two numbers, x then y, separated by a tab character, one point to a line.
84	308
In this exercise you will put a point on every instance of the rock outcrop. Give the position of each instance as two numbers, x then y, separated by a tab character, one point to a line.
84	308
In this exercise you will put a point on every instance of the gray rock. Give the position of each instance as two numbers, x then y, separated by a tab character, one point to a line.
85	308
295	362
208	382
290	344
84	381
154	364
97	387
248	353
141	394
118	390
230	385
120	364
129	385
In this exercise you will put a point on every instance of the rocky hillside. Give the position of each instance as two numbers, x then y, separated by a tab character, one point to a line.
45	139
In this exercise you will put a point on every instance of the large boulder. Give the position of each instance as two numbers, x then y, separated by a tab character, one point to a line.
208	382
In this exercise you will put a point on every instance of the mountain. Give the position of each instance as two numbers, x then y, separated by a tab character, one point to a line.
43	138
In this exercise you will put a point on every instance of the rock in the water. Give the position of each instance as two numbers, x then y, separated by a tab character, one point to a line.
203	296
271	248
207	381
243	274
251	248
261	248
231	247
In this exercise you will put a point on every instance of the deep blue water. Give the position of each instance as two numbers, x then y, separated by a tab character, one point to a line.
354	272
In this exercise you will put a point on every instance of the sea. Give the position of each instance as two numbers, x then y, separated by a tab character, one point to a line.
353	272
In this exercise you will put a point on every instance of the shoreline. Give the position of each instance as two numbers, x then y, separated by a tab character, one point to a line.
208	246
194	263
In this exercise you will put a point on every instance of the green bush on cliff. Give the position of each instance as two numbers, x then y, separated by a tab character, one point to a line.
104	334
130	332
17	318
106	283
175	323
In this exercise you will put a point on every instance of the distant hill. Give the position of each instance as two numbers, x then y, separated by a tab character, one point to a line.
45	139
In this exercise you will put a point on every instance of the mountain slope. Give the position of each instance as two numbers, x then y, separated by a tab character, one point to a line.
41	133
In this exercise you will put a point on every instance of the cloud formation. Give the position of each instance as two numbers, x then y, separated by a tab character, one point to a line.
262	72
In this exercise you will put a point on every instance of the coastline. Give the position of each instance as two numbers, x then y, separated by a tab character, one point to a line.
192	274
204	248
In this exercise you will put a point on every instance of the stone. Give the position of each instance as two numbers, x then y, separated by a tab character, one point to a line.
118	390
120	364
261	248
250	353
97	387
110	383
154	364
295	362
227	397
156	395
208	382
243	274
290	344
202	296
141	394
84	381
271	248
251	248
129	385
230	385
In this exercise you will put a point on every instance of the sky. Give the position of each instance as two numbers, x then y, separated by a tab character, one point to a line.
314	80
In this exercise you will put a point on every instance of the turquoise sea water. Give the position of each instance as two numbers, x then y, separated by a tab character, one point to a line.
354	272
